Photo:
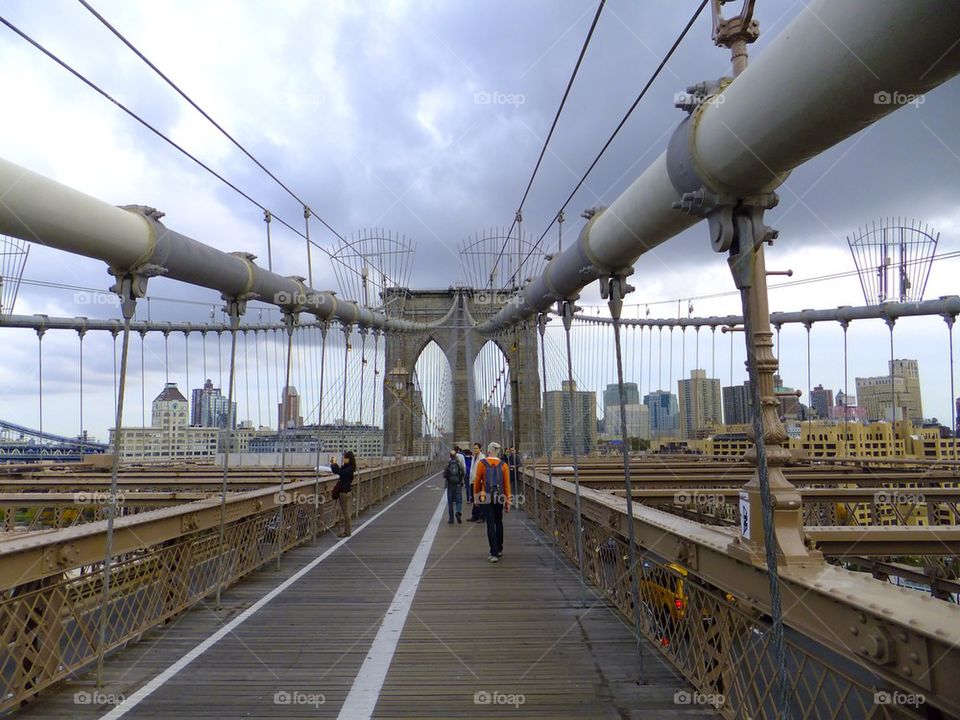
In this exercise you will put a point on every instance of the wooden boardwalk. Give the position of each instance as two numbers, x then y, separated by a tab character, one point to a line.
479	640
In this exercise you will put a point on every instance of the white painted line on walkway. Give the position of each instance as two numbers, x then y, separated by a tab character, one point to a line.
365	692
158	681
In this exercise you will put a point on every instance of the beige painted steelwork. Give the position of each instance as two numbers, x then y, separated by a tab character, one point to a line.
706	608
164	562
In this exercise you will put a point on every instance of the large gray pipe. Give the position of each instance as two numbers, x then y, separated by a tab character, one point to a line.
837	68
38	209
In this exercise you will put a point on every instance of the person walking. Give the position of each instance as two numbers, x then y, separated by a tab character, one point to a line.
475	458
491	490
453	474
467	459
341	490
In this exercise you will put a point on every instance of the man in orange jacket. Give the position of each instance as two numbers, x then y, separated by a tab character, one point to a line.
491	491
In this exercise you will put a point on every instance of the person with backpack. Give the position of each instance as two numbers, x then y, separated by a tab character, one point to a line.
491	491
453	474
341	491
474	463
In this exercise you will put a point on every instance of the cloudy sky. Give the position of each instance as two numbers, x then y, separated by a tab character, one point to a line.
425	117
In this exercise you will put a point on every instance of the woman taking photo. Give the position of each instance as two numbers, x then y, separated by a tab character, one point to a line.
342	489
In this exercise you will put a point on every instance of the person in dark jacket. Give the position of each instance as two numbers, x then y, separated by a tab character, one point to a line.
453	474
344	484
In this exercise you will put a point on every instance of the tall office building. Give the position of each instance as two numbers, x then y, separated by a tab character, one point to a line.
288	412
909	370
736	404
572	420
638	415
821	401
700	406
876	396
664	414
611	396
209	408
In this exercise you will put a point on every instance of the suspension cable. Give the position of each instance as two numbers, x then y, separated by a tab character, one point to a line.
616	131
89	83
546	142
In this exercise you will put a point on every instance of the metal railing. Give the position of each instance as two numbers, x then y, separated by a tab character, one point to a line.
854	648
166	561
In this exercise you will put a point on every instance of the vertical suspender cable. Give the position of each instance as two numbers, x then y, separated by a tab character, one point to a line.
893	391
256	355
846	401
226	435
953	398
316	486
40	333
377	390
547	429
809	389
186	363
288	319
769	537
363	362
246	371
143	381
347	329
112	502
80	334
568	310
617	290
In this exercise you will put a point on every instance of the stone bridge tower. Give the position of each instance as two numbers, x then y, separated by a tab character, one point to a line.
453	314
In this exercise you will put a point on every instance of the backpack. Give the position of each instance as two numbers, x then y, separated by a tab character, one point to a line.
492	478
452	473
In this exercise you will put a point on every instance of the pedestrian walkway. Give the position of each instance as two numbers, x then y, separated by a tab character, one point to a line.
404	619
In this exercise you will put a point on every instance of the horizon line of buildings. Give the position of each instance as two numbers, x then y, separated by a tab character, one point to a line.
175	433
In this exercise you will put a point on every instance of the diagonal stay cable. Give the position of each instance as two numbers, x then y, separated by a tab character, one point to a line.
92	85
553	126
219	127
616	131
203	112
